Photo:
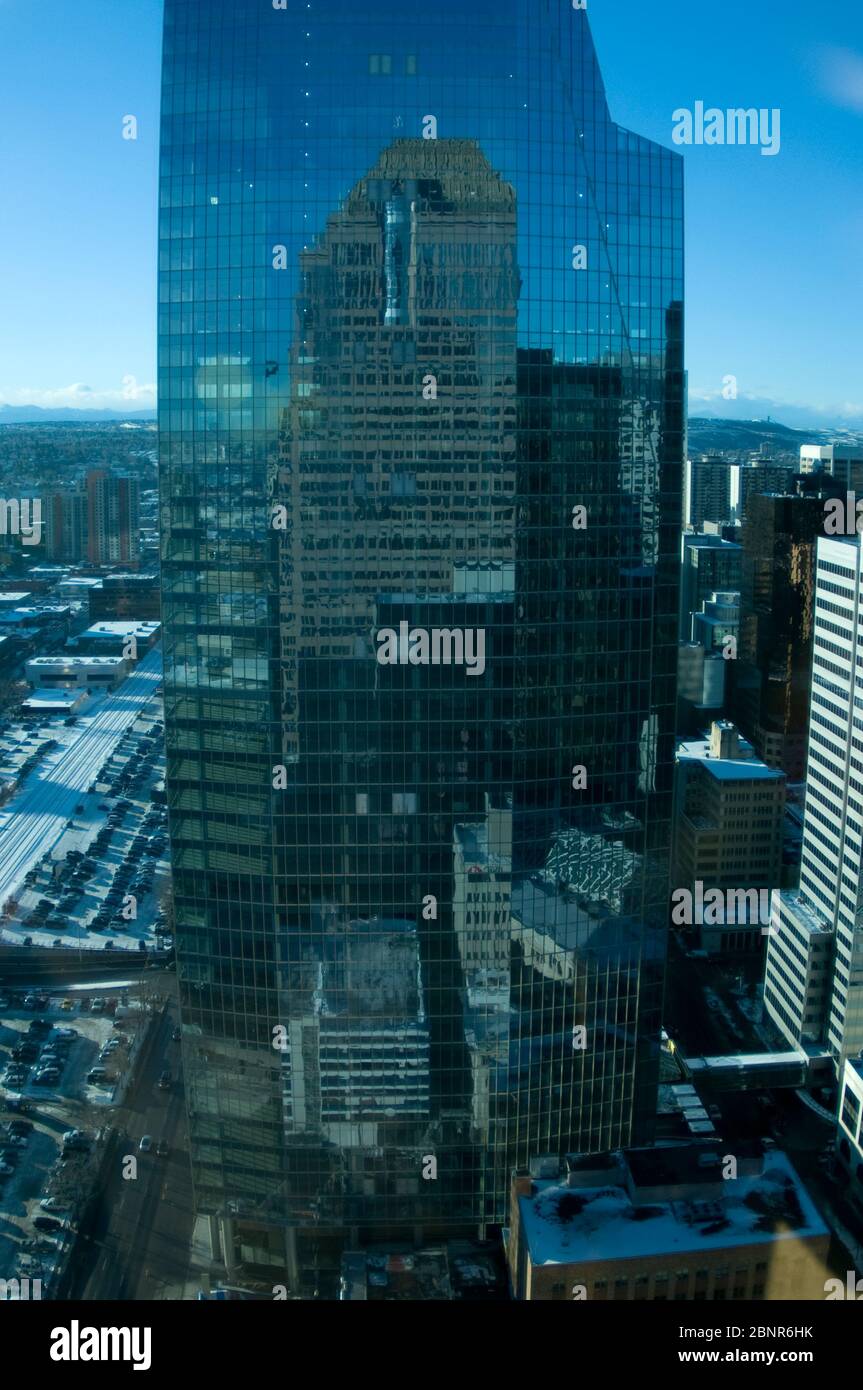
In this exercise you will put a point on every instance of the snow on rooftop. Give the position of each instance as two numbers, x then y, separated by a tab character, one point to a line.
565	1225
745	767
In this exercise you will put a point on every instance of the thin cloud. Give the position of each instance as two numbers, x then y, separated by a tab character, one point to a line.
78	396
842	77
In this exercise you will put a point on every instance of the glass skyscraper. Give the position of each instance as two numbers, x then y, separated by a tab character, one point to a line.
421	404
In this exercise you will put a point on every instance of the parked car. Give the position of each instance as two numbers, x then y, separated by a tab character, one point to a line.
176	1034
163	1148
47	1078
165	1081
146	1144
97	1074
68	1034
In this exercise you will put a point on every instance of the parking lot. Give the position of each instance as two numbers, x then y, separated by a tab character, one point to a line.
65	1060
103	880
39	811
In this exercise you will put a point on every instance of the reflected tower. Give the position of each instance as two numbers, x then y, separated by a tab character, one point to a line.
421	422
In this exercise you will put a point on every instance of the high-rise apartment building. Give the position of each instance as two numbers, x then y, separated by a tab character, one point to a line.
421	415
709	490
113	518
813	985
65	521
99	522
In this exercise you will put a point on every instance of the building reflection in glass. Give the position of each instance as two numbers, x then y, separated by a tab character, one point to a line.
421	508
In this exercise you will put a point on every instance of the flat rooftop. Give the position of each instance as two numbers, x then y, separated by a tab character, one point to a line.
578	1225
805	915
745	768
133	628
52	699
71	662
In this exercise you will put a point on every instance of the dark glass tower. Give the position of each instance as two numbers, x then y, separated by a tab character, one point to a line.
421	413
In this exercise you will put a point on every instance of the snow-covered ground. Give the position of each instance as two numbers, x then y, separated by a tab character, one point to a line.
38	814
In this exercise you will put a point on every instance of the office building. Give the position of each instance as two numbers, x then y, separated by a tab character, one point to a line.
421	475
130	639
700	687
759	478
702	1235
811	993
126	596
728	834
849	1138
841	462
710	565
717	626
772	675
97	672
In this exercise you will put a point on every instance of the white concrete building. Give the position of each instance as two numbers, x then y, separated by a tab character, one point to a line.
68	671
831	882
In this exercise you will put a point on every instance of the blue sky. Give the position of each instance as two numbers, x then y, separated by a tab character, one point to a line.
774	245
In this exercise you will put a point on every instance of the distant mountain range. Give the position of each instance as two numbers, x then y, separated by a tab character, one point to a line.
707	434
36	415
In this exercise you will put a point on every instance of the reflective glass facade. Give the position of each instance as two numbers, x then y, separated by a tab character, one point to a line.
422	432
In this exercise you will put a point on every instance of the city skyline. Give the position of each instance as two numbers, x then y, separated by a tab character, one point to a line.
751	232
431	741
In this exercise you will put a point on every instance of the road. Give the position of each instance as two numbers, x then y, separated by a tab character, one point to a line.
140	1241
34	820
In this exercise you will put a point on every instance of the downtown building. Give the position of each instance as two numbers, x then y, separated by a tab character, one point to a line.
728	835
813	984
421	443
772	674
709	491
